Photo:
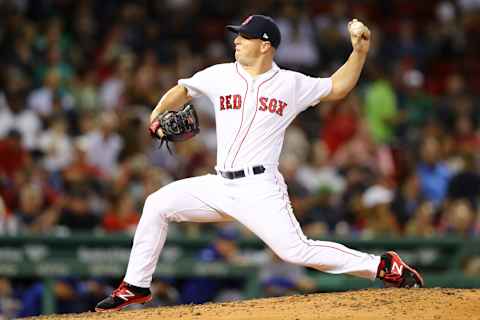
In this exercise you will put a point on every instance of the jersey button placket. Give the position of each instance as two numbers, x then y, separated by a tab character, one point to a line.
251	95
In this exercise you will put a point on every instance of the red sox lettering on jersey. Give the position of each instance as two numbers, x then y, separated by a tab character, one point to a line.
252	113
234	101
273	105
230	101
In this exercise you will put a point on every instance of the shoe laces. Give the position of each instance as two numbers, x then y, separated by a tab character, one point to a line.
120	288
382	268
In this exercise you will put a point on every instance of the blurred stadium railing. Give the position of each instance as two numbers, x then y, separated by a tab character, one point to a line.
441	260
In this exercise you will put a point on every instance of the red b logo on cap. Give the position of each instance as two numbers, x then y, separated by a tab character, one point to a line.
247	20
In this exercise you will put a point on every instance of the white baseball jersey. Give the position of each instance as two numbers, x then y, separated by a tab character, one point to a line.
252	113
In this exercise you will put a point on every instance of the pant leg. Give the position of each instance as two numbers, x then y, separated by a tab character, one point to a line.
267	212
192	199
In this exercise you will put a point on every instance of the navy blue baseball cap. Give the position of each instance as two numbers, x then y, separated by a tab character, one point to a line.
259	27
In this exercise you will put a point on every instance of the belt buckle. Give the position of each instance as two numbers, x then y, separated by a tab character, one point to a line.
258	169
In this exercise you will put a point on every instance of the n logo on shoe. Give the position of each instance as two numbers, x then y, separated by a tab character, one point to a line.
127	294
396	268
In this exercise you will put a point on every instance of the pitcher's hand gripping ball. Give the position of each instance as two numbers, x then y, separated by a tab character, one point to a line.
175	125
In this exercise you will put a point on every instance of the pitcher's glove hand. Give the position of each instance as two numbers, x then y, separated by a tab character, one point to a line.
175	126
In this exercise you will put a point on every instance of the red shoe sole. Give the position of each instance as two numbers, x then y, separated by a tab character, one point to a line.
415	273
140	300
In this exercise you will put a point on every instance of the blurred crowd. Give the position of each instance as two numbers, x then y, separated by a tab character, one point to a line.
398	157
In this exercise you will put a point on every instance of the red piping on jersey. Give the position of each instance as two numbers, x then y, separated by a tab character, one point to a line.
241	121
256	109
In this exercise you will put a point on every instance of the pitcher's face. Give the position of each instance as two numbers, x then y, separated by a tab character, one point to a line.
247	50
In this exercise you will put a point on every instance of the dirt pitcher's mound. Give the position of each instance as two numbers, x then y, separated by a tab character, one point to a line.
398	304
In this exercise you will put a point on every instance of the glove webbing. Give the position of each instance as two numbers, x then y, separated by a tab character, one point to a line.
165	141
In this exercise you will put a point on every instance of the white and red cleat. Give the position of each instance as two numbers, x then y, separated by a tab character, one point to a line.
123	296
396	273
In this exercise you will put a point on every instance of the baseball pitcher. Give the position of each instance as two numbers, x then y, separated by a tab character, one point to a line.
254	103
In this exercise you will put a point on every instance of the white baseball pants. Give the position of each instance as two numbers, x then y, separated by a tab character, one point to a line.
260	202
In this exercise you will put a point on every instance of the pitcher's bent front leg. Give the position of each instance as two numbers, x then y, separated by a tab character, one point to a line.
183	200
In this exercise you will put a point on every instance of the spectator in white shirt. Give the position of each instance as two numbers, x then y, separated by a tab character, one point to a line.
57	146
298	47
103	145
14	116
46	99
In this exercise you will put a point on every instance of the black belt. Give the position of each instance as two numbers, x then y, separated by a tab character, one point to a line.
241	173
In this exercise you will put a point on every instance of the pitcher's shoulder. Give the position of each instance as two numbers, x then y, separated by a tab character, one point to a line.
289	76
222	66
215	70
291	73
219	69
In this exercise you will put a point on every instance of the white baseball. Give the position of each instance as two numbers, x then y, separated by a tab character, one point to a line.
357	28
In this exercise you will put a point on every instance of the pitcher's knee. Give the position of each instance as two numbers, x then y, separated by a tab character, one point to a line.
160	204
292	256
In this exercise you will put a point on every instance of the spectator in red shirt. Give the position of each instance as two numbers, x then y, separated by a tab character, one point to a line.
465	137
13	155
123	216
341	123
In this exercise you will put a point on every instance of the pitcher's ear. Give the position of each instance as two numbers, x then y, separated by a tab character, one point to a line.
265	46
